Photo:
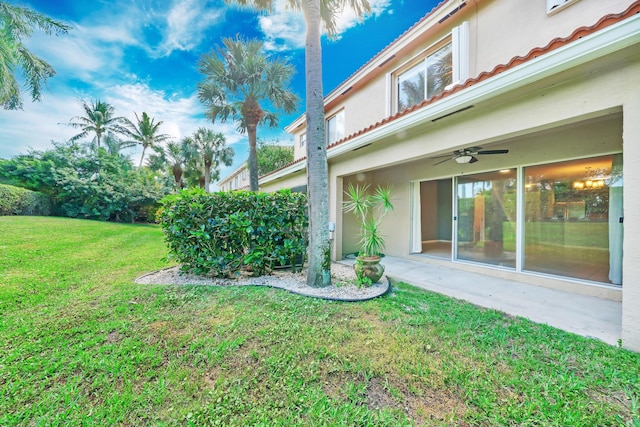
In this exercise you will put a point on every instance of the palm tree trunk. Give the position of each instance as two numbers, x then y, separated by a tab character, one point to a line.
319	270
253	158
207	177
142	157
177	176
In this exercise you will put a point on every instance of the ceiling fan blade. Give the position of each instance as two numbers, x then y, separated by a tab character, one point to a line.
442	161
440	157
492	152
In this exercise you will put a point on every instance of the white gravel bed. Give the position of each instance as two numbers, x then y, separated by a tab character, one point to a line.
343	286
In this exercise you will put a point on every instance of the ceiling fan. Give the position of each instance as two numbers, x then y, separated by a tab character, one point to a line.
467	155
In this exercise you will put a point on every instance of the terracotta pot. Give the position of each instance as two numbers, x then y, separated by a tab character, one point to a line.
369	267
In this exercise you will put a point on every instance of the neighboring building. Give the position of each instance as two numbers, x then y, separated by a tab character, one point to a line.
236	180
557	84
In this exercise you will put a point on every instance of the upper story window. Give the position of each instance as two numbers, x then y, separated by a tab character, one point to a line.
335	127
303	139
437	68
429	77
557	5
244	173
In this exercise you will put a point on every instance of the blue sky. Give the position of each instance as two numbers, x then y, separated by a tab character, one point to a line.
141	55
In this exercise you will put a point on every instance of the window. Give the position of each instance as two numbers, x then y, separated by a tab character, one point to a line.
557	5
427	78
244	174
335	128
437	69
303	139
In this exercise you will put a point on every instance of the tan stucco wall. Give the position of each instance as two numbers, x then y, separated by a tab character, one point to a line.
631	244
507	28
292	180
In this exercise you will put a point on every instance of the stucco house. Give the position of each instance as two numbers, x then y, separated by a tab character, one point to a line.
507	129
236	180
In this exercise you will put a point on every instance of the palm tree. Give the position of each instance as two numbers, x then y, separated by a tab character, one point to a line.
98	120
174	157
316	13
17	23
114	145
240	78
144	132
209	150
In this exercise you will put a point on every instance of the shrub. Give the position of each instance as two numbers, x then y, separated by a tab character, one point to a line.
220	234
20	201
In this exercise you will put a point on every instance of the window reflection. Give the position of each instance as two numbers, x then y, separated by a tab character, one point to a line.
487	217
572	219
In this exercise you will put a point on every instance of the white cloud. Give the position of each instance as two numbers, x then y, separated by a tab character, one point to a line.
37	124
186	25
285	29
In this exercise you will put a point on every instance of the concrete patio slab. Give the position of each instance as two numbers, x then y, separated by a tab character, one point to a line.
583	315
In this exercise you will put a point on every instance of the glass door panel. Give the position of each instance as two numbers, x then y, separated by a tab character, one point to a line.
436	214
486	212
573	223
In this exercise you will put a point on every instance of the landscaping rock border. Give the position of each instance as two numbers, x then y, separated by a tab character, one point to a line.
342	277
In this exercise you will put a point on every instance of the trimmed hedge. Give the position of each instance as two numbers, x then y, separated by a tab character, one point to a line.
222	234
20	201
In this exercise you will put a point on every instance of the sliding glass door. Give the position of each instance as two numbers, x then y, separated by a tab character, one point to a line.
573	219
486	218
436	228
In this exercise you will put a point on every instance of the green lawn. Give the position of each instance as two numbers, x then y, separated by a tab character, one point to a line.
81	344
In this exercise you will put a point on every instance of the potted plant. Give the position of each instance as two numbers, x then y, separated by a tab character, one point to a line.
369	210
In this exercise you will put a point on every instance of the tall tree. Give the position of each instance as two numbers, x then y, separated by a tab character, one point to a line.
173	157
16	23
210	150
316	13
238	79
99	120
272	156
144	132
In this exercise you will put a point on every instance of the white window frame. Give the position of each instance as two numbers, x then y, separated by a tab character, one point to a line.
303	139
554	6
337	117
459	37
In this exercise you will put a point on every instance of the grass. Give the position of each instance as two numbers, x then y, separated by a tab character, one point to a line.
81	344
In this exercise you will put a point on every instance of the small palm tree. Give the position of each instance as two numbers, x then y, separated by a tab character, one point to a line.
238	79
208	150
16	23
99	120
144	132
176	155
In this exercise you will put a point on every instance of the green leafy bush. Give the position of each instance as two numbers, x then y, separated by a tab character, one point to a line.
221	234
20	201
87	183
